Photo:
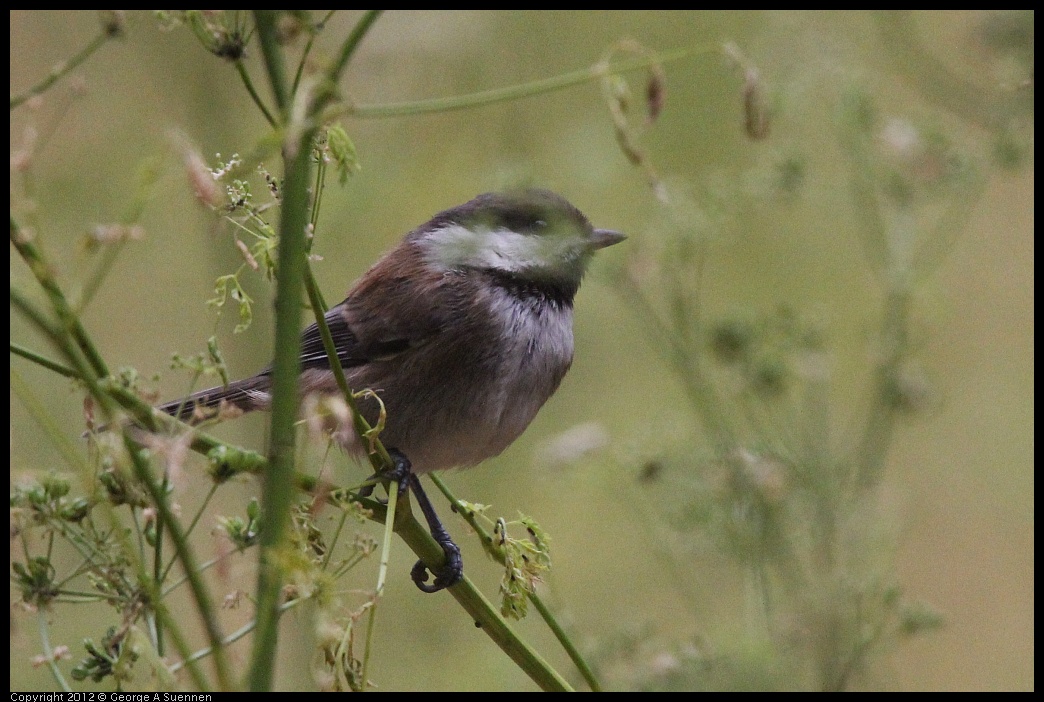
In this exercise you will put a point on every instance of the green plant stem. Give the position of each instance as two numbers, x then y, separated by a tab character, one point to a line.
20	302
200	593
951	225
276	496
203	567
277	492
382	575
48	652
249	85
78	596
687	363
707	405
548	616
273	56
351	43
94	282
73	348
46	422
334	540
379	457
45	277
188	532
317	201
482	612
308	49
979	104
63	69
62	336
157	561
567	643
411	531
164	618
231	638
522	90
877	437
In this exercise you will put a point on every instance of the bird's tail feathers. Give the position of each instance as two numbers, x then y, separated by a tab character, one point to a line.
247	395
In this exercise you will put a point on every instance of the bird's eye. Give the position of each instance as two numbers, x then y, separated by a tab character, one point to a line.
540	224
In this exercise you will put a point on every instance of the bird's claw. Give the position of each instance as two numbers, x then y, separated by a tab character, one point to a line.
399	472
447	575
452	568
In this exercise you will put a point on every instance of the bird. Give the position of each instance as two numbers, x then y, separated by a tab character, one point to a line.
463	331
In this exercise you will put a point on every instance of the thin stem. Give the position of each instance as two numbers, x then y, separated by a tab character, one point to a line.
482	612
157	559
203	567
952	224
317	201
20	302
308	49
334	539
877	437
351	43
202	507
79	597
567	643
48	652
315	295
45	277
249	85
200	593
379	457
94	282
487	540
188	532
164	619
63	69
46	422
522	90
382	574
231	638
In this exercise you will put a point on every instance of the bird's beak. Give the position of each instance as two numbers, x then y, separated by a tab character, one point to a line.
601	238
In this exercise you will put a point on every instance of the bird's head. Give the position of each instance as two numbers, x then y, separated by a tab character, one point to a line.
530	235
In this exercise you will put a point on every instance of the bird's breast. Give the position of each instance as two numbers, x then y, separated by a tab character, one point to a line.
538	350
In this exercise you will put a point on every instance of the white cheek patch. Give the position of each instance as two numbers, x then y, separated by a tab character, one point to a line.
500	249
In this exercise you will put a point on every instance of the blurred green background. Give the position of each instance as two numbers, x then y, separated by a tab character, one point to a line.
960	475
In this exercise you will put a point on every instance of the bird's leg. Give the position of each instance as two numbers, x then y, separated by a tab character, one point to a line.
452	567
399	472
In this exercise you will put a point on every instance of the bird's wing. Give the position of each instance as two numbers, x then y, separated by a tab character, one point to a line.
385	314
349	350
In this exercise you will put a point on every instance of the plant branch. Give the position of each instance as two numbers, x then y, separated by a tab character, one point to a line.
29	354
273	55
549	618
351	43
64	68
249	85
200	593
522	90
66	316
74	349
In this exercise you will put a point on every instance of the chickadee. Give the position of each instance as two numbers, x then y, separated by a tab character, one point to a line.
464	330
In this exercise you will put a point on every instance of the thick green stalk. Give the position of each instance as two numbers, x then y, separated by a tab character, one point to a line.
277	490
